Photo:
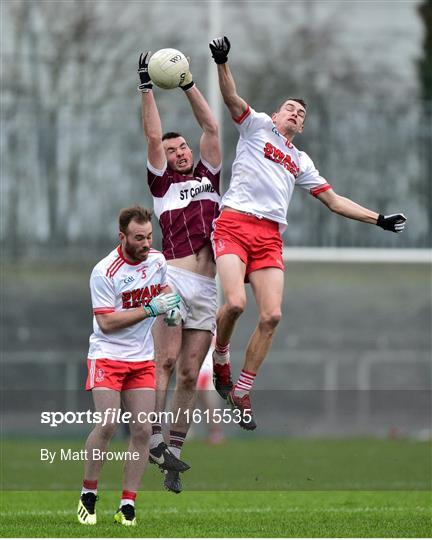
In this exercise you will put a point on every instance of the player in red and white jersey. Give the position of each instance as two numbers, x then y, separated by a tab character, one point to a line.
129	289
247	235
186	201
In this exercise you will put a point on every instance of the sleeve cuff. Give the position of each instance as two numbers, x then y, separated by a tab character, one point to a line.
240	119
157	172
213	170
101	310
320	189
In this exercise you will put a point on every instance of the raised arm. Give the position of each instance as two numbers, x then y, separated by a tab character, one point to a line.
348	208
150	116
220	48
209	144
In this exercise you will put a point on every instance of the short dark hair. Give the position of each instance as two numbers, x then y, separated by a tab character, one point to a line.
299	100
133	213
171	135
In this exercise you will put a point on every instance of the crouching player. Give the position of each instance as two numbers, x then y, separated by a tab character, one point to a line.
128	290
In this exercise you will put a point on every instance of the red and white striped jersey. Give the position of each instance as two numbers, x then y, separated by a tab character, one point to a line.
185	207
266	169
117	284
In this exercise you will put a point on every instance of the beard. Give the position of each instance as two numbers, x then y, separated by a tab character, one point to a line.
136	254
187	171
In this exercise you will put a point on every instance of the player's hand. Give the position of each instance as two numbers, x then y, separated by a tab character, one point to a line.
220	48
161	304
174	317
392	222
143	73
187	82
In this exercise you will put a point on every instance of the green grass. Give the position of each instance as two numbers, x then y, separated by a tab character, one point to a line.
248	463
226	514
248	487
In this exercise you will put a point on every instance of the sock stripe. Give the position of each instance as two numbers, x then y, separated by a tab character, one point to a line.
179	434
90	484
246	378
245	382
156	428
128	494
222	349
176	441
177	438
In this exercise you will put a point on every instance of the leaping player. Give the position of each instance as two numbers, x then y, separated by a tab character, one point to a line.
186	201
247	235
129	289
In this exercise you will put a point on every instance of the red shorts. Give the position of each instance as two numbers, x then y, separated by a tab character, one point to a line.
120	375
256	241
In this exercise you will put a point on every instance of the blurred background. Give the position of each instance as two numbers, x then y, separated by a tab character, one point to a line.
352	353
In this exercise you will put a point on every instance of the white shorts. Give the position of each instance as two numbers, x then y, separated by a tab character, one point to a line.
199	298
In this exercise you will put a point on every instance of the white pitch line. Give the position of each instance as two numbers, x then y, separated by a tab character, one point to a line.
292	509
358	255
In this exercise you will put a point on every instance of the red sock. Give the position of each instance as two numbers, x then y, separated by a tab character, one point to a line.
89	486
128	497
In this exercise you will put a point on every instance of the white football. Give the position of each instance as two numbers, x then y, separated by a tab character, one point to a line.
167	68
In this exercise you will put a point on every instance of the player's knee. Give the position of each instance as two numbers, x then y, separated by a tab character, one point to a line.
167	363
235	305
187	378
270	320
140	433
107	432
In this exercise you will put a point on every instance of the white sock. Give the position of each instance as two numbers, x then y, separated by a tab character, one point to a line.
176	451
221	358
85	490
156	439
127	501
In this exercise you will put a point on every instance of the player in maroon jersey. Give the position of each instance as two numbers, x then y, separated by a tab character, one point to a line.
186	201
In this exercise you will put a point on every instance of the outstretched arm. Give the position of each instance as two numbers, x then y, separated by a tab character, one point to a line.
209	143
220	48
348	208
150	116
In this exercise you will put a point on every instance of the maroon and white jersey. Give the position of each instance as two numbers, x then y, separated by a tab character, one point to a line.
185	207
117	284
266	169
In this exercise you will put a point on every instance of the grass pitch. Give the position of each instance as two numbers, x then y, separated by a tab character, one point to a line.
226	514
248	487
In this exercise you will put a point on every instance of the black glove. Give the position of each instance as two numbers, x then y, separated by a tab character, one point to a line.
187	82
144	76
392	222
220	48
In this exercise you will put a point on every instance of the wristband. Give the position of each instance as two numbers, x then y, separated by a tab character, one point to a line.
380	220
186	87
148	311
145	87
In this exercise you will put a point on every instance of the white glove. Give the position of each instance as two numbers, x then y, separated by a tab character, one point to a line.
161	304
174	317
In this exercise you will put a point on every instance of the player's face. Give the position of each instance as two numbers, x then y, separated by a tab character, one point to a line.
290	118
178	155
137	241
